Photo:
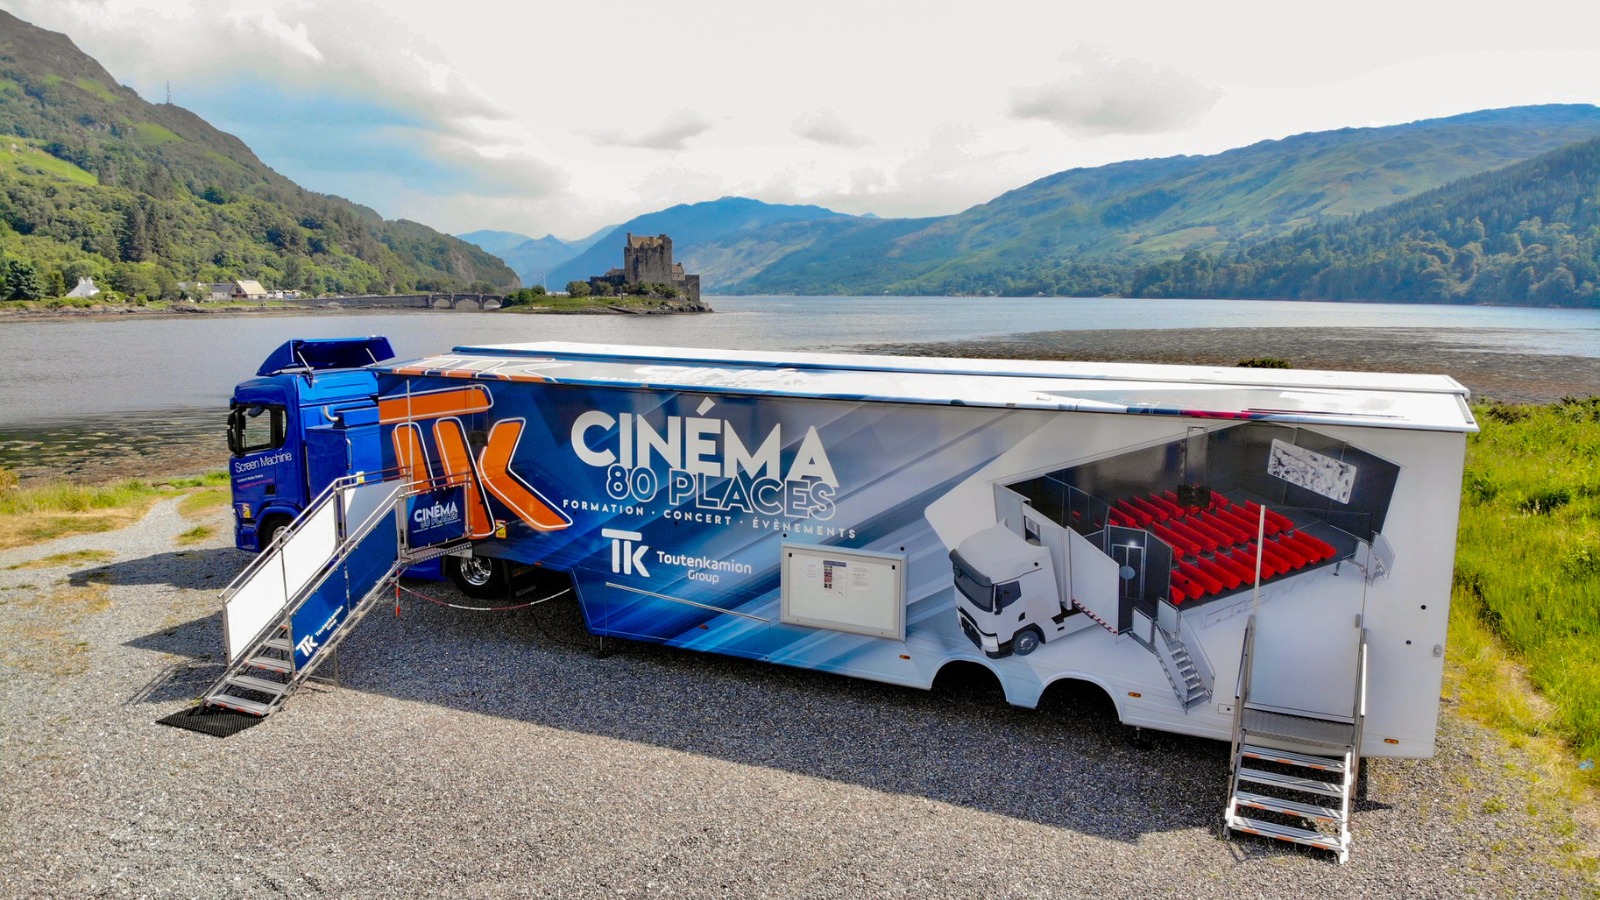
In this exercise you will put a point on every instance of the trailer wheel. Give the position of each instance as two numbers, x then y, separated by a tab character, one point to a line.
1026	641
479	577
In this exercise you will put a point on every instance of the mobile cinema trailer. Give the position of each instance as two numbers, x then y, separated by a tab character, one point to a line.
1257	556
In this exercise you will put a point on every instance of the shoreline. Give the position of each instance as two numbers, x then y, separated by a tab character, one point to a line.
117	312
1491	374
92	452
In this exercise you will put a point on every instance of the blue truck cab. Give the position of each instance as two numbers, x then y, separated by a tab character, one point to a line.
309	417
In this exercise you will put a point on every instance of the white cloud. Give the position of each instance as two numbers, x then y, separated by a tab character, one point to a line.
559	117
1115	96
673	133
824	126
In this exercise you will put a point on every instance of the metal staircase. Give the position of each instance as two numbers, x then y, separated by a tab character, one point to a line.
1187	681
291	608
1295	774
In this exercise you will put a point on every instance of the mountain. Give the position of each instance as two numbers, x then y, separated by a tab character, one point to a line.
531	258
1525	234
693	226
495	242
1079	231
96	181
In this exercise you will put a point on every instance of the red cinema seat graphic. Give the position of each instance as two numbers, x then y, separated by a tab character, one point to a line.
495	465
456	458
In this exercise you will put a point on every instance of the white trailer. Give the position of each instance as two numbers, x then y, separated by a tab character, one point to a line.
1257	556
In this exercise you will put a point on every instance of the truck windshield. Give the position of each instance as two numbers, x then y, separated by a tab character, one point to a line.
255	427
981	596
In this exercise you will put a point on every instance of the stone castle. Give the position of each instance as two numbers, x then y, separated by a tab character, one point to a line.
648	260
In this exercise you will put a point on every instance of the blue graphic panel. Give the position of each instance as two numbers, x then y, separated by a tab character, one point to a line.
352	578
436	517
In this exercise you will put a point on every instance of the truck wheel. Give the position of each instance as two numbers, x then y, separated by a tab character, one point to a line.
1026	641
479	577
268	532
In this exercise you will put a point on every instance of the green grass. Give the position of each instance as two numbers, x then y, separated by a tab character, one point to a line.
37	513
151	133
564	303
96	88
73	557
196	534
1528	570
27	159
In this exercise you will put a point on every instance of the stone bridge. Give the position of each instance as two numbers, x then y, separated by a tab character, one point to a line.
415	301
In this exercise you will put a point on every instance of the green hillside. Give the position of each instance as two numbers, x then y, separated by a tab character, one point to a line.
1525	234
96	181
1079	231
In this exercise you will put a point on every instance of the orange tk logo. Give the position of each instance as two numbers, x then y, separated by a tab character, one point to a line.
489	474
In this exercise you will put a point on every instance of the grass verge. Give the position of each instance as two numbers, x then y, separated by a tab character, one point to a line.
1528	563
1525	607
195	535
75	557
32	514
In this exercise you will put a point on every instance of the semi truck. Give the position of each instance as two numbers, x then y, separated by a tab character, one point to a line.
1261	557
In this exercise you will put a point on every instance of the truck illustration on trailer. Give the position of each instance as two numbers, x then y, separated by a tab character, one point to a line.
1260	557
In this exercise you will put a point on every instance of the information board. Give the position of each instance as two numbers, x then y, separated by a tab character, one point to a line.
857	591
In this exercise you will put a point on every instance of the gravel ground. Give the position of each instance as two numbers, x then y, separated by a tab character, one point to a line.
496	755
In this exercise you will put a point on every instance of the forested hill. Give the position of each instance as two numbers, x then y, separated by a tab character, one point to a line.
1083	231
96	181
1528	234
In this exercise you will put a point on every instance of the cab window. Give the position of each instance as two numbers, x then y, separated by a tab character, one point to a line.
255	427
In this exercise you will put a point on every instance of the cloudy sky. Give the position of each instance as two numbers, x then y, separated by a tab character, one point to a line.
561	118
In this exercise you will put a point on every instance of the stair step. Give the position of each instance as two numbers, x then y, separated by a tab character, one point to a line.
278	644
1290	782
1304	760
1288	833
239	704
1298	729
258	684
1291	807
271	664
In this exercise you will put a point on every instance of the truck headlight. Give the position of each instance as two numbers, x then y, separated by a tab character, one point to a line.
990	643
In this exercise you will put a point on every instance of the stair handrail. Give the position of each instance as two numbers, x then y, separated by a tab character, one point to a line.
1202	663
1241	691
293	603
1360	711
352	539
322	499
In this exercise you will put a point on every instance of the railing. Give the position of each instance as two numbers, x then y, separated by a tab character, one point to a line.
300	554
353	569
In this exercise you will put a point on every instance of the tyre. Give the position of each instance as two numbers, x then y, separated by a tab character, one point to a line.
479	577
268	532
1026	641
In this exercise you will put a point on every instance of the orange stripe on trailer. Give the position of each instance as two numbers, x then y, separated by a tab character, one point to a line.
495	464
456	457
433	404
410	456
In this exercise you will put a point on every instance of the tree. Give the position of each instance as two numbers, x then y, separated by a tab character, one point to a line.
22	280
578	288
134	242
524	296
55	284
